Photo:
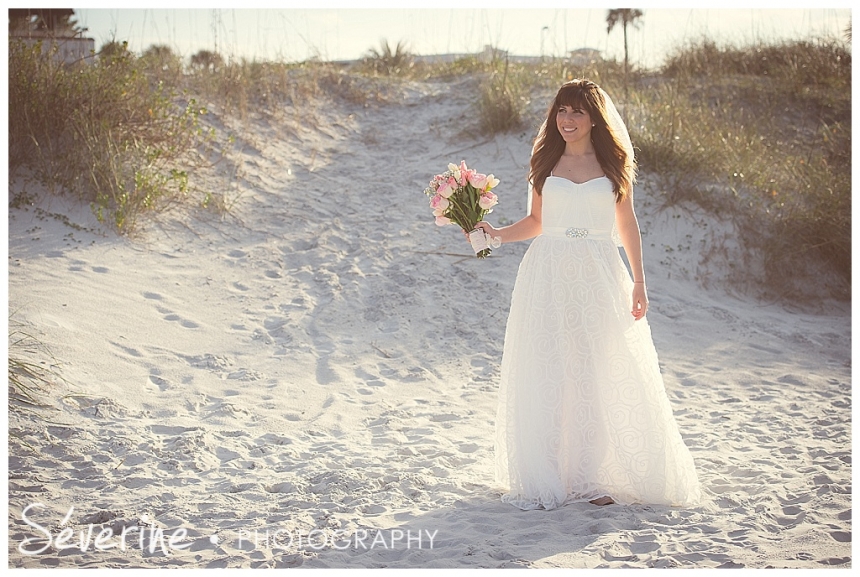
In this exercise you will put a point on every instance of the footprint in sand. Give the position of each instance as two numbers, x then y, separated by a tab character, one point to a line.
130	351
389	325
369	379
483	370
101	269
261	335
278	329
795	516
152	296
244	374
443	417
791	380
301	245
835	561
285	487
296	303
173	317
171	430
162	384
236	253
216	363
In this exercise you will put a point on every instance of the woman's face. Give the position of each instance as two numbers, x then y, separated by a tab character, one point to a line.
573	123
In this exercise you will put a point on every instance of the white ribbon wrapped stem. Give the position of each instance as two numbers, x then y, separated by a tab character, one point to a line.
482	241
478	238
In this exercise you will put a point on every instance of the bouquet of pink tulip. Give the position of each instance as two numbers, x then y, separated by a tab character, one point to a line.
462	196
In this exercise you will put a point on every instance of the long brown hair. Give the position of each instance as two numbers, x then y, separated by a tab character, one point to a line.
611	154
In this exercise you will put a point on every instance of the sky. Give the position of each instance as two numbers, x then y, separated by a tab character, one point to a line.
333	32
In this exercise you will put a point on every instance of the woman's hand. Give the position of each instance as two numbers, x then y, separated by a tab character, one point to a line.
640	301
486	227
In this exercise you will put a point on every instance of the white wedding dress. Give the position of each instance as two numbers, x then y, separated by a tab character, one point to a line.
582	408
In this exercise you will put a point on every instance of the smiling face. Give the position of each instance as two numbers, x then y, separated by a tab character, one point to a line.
577	106
573	123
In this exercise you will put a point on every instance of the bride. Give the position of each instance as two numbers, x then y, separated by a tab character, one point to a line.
583	414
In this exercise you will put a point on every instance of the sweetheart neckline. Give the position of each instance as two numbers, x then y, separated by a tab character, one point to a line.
579	183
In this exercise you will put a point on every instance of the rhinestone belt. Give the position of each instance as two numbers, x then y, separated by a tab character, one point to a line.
577	233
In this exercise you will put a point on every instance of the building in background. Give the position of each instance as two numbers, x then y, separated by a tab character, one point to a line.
54	30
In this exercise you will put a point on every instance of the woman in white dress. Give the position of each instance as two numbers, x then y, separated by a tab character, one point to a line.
583	414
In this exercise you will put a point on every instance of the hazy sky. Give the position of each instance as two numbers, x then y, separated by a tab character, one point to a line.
336	33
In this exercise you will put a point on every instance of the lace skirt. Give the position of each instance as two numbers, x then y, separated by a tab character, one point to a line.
582	408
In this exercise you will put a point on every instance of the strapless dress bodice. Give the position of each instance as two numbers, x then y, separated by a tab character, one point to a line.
578	210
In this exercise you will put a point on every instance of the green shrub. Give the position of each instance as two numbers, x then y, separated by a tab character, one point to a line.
769	126
103	131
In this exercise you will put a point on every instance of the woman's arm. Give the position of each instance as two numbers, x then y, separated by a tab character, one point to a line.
524	229
631	238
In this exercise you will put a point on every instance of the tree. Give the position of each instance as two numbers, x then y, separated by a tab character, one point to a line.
113	49
624	16
161	57
57	22
388	61
207	60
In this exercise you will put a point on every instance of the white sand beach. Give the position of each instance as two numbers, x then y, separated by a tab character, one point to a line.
322	362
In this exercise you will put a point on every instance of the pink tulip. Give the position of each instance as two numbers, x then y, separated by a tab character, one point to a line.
442	220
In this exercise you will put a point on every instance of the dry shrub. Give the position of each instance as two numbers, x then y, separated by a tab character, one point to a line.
770	125
103	131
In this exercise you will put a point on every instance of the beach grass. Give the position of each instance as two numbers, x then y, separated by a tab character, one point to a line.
761	136
105	132
29	381
758	134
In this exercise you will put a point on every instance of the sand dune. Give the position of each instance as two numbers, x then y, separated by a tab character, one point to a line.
322	362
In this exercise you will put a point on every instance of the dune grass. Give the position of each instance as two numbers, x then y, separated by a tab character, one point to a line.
29	381
759	134
106	132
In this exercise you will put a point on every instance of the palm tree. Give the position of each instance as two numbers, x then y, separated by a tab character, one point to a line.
388	60
625	16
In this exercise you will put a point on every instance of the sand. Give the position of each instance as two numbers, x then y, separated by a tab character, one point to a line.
322	363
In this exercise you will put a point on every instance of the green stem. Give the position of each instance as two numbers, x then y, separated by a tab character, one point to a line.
462	218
